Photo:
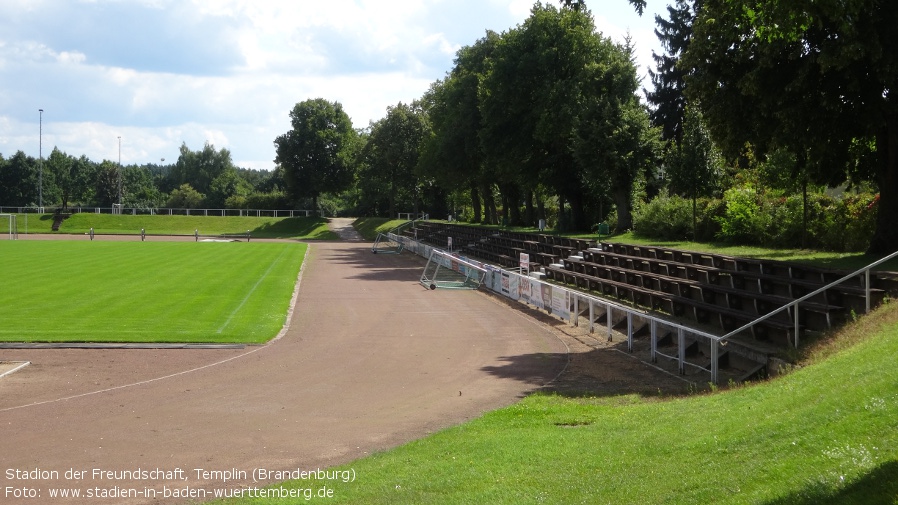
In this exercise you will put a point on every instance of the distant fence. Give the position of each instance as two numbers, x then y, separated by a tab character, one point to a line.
166	211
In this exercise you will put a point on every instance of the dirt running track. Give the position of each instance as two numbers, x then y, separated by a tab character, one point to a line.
371	360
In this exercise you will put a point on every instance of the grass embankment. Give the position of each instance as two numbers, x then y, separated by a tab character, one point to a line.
369	227
83	291
827	433
304	228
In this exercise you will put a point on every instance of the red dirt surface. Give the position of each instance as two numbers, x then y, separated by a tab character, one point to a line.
371	360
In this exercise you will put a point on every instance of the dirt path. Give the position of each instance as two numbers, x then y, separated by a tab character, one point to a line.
371	360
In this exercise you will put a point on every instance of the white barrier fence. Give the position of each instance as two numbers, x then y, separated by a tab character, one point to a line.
571	305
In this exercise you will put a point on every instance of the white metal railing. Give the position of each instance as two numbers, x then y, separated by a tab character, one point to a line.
794	304
165	211
656	323
566	303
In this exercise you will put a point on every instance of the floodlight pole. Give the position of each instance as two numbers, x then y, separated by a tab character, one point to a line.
40	173
120	174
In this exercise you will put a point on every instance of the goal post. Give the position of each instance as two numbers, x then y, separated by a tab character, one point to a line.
11	226
448	271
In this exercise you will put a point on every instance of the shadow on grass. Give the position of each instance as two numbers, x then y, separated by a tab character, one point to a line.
880	485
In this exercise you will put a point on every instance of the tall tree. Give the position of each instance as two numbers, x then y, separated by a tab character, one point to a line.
72	175
668	100
314	153
18	180
107	182
200	168
694	164
552	83
392	152
452	153
814	77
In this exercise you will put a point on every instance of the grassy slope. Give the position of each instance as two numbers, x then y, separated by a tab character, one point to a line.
369	227
827	433
312	228
146	291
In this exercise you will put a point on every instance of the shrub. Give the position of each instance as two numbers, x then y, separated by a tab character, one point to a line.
742	221
664	218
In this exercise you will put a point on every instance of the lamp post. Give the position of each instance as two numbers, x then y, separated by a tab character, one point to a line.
120	174
40	170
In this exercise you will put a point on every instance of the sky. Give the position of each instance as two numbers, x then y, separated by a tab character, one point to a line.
134	79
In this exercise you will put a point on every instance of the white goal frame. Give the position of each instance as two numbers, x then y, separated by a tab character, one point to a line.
13	226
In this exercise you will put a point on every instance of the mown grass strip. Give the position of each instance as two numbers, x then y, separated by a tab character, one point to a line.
827	433
82	291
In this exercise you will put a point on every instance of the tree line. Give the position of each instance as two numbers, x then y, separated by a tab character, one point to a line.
198	179
757	113
750	103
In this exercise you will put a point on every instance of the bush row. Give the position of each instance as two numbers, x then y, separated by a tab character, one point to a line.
749	217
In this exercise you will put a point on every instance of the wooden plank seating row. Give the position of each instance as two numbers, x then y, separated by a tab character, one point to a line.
766	267
817	316
679	306
508	257
840	296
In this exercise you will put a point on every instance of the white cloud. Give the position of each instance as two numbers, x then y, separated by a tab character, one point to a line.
162	72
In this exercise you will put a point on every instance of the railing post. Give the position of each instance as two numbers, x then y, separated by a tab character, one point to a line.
608	319
796	323
576	315
654	340
681	350
592	315
714	365
867	288
630	331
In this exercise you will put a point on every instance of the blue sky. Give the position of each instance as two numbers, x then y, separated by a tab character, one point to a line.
161	72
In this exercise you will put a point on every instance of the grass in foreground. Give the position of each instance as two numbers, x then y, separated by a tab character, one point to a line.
82	291
303	228
825	434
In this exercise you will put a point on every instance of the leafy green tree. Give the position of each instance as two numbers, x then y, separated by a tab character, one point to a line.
817	78
314	153
18	180
452	153
694	165
73	177
107	181
200	168
392	151
139	190
226	185
668	99
553	102
185	197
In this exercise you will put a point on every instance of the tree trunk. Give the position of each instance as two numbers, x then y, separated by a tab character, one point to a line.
489	202
513	200
529	217
578	213
804	212
885	238
503	195
475	203
624	217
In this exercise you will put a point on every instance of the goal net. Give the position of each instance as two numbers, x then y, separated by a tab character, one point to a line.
444	270
9	226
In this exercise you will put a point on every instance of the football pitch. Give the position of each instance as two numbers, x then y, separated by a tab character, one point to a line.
138	292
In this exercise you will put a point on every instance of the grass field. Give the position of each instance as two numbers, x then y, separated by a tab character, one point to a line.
824	434
305	228
80	291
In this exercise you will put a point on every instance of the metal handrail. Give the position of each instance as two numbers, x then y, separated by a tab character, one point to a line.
865	271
